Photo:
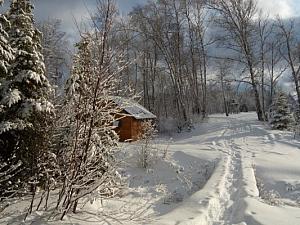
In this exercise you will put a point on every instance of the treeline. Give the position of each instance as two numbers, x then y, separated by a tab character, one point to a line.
191	57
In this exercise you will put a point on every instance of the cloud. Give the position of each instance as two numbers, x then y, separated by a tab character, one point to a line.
66	10
283	8
69	10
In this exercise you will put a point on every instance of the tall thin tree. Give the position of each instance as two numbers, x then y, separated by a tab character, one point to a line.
237	18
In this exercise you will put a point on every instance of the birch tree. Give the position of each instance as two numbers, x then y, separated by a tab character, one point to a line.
197	25
237	18
275	65
290	51
265	30
55	50
155	24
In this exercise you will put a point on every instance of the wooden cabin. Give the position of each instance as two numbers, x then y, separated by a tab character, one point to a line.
132	116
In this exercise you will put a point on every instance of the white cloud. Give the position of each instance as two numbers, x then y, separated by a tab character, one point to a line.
283	8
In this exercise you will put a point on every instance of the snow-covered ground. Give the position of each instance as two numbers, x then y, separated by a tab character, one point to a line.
226	171
256	182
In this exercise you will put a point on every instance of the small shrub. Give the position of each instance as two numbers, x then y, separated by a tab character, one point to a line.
147	152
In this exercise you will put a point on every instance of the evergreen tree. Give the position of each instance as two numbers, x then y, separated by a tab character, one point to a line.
280	116
6	53
6	57
24	103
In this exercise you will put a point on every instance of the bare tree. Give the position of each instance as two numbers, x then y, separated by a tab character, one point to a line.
290	51
265	30
237	18
275	66
224	70
197	25
55	50
162	24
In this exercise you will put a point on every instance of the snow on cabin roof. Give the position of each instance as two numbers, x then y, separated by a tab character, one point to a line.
133	108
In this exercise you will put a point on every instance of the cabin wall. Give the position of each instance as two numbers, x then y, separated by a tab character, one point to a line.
129	128
136	129
124	130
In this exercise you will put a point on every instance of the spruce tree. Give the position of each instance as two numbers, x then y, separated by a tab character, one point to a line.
6	57
25	105
280	116
6	53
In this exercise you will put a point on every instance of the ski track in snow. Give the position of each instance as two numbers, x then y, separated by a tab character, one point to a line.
225	203
231	184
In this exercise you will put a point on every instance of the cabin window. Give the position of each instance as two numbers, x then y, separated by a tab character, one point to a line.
117	123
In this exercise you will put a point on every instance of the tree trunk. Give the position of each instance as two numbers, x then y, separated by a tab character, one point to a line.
224	97
256	94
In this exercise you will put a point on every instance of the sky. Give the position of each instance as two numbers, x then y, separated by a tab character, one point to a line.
67	10
284	8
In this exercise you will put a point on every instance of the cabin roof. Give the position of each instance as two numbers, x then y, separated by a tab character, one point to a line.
133	108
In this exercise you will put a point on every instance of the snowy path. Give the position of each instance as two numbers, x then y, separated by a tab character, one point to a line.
231	195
